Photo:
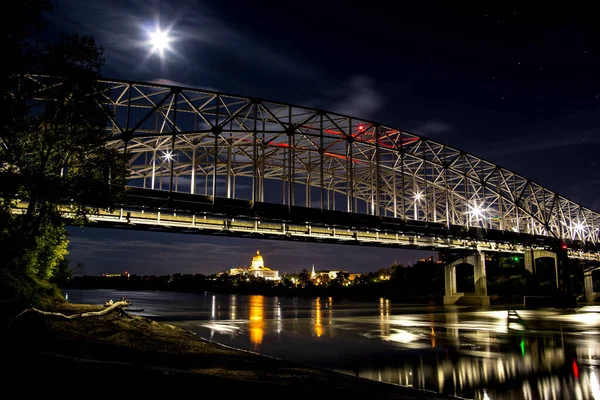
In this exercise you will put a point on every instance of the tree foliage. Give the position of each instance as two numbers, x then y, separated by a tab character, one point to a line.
54	150
52	146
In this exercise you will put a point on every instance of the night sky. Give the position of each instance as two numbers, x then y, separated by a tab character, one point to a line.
518	86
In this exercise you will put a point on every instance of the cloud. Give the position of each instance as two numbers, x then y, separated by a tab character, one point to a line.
432	128
545	141
169	82
564	132
211	53
358	97
196	30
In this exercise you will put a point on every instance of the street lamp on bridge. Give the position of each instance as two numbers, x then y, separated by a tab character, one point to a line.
168	156
418	197
578	230
477	211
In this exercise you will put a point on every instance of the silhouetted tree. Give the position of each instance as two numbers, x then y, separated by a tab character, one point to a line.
304	278
52	154
340	278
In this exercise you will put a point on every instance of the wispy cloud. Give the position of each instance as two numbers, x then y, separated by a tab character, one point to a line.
358	97
432	129
170	82
566	132
209	52
197	31
544	141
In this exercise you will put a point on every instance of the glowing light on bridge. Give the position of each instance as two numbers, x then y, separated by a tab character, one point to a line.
168	156
477	211
418	197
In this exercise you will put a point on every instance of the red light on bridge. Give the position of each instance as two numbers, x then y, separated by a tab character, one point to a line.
563	245
361	128
575	370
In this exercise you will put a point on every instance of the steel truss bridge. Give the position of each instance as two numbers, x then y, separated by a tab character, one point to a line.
209	162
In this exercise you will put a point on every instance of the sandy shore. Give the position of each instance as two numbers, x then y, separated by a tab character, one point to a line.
117	355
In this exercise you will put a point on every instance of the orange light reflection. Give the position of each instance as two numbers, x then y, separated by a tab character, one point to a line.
318	325
257	323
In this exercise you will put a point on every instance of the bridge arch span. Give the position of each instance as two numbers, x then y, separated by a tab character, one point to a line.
218	144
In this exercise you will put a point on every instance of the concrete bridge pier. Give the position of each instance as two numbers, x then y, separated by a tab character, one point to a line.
480	297
531	255
588	285
562	268
563	297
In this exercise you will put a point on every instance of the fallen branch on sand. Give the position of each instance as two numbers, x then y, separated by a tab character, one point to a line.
114	306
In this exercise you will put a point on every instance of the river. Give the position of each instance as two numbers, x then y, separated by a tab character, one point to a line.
494	353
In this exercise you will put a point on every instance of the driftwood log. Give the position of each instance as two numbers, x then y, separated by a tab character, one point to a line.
114	306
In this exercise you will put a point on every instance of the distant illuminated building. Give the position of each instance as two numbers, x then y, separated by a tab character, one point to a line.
111	275
257	269
116	275
327	274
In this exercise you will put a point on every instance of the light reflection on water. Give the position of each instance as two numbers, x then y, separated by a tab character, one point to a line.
257	323
481	354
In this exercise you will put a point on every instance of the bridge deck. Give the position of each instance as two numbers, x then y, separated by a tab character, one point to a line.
154	210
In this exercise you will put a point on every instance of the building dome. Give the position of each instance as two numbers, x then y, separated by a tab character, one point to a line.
257	269
257	261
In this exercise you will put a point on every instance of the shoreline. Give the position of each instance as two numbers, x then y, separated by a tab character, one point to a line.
300	293
50	350
425	300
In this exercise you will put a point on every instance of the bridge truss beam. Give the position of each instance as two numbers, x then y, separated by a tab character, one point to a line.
221	145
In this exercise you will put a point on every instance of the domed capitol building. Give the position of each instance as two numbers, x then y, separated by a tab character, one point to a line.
257	268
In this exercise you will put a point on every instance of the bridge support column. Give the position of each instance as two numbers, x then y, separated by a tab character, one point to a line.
529	261
480	277
588	285
480	297
563	296
531	255
450	275
563	273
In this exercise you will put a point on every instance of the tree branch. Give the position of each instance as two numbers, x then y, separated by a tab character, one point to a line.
115	306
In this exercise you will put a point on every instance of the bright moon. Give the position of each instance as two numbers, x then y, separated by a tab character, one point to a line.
159	40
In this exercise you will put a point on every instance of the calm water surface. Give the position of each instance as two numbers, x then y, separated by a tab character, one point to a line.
496	353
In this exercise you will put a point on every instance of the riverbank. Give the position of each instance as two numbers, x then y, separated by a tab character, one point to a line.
115	354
